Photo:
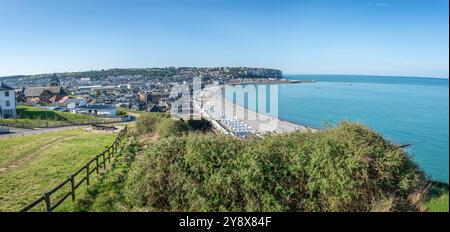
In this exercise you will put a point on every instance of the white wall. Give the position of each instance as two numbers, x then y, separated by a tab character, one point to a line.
4	129
12	101
76	104
110	112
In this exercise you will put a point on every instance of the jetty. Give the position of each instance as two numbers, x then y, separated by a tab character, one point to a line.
269	82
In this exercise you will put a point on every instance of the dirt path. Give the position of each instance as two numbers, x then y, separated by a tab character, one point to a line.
18	163
146	141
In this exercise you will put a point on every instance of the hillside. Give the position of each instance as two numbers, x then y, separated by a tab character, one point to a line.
346	168
29	112
33	117
31	165
145	74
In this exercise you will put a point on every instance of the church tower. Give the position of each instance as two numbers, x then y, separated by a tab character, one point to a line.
54	81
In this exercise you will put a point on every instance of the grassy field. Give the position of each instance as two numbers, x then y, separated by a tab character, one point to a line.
33	117
438	204
437	198
28	112
31	165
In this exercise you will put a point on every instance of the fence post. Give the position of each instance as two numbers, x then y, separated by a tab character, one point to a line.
96	164
72	186
47	202
110	150
87	174
104	160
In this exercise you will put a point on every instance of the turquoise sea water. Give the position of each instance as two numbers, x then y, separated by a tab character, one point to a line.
406	110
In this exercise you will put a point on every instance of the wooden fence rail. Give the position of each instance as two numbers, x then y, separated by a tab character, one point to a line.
86	171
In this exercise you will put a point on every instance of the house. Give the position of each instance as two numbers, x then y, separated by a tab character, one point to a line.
7	101
153	108
20	96
52	93
75	103
88	89
145	97
136	85
104	110
124	87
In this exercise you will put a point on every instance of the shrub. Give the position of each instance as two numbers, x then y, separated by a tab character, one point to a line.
153	190
169	127
121	112
146	123
347	168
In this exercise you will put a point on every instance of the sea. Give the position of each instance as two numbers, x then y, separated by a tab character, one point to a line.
405	110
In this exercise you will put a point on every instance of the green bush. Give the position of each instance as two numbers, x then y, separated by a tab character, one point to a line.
169	127
146	123
121	112
347	168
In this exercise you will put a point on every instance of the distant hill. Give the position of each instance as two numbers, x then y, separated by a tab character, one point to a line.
150	73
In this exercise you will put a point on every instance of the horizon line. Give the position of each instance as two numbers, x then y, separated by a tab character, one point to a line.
287	73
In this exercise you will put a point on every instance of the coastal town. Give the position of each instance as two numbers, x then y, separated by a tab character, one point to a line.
103	93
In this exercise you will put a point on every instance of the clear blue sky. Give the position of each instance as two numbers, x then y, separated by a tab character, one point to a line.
382	37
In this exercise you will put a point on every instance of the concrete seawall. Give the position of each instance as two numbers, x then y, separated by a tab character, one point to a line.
260	122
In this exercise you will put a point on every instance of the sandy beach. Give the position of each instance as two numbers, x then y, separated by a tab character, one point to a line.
260	122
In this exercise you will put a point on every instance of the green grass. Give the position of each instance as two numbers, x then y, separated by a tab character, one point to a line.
33	117
438	204
32	165
106	195
437	198
135	113
28	112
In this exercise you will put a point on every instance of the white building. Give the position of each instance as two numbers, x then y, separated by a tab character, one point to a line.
85	80
104	110
87	89
75	103
7	101
124	86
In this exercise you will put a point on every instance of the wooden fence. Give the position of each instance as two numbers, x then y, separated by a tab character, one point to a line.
86	171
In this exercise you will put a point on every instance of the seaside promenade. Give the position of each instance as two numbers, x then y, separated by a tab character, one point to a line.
251	121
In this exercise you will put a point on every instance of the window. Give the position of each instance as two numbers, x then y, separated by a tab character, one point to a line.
8	103
8	113
6	93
